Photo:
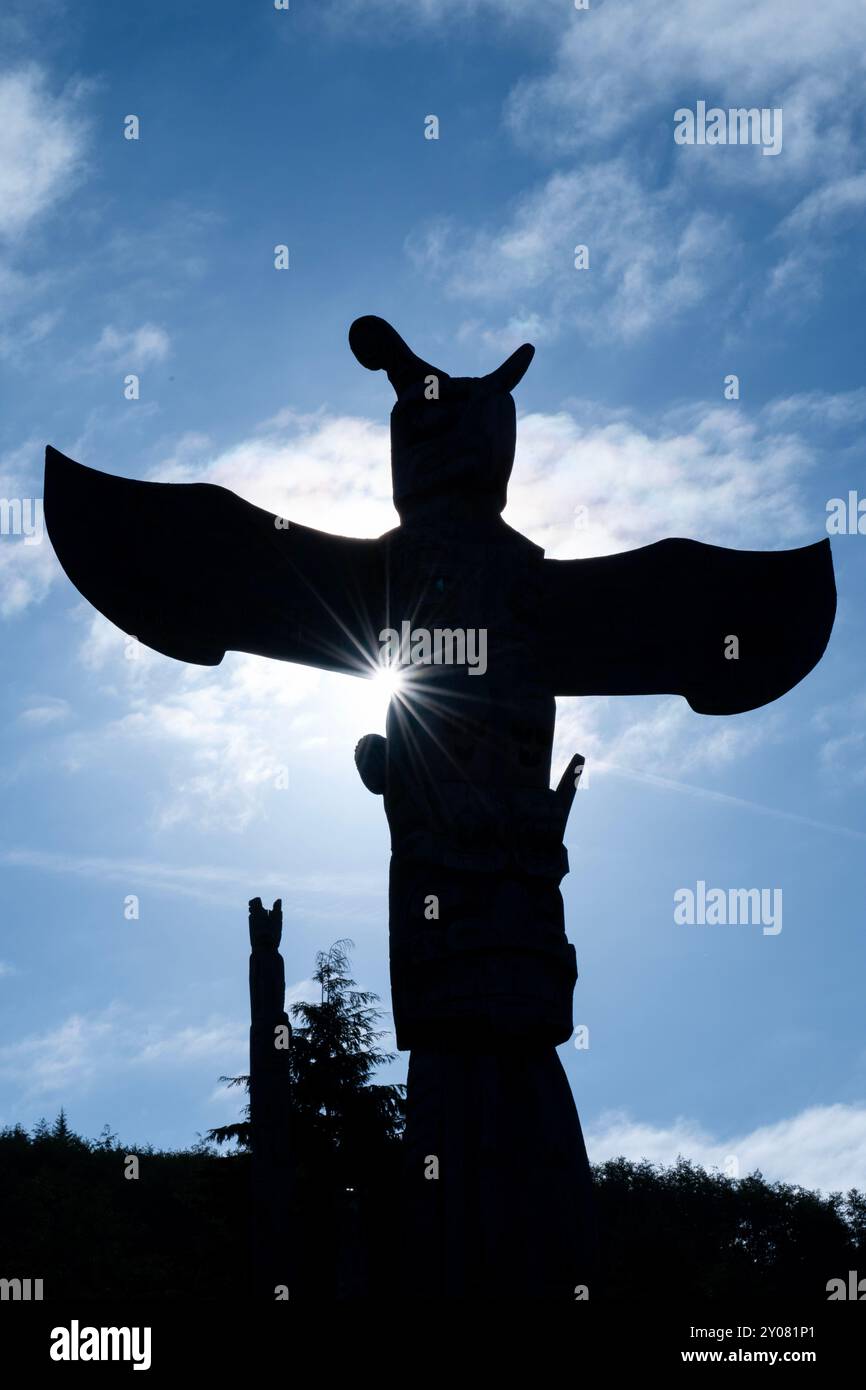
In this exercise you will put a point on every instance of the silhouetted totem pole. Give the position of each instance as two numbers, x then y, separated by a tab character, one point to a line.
481	973
270	1104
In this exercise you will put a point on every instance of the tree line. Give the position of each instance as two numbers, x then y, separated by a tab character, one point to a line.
73	1216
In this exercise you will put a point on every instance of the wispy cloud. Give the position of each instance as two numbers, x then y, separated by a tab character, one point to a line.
27	565
372	18
822	1147
842	726
206	882
71	1054
88	1049
44	709
649	260
135	348
663	233
618	736
42	145
843	197
26	333
743	803
625	67
720	474
818	409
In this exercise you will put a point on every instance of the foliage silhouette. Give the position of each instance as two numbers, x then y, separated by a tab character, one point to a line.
345	1127
180	1230
338	1113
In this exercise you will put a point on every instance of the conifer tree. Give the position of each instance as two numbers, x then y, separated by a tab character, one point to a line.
339	1115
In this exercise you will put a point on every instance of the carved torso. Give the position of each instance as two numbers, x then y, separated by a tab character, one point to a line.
477	934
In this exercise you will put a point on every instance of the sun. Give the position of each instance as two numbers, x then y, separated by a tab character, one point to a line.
373	695
389	681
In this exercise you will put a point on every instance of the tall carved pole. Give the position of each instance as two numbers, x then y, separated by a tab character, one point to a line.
270	1105
481	971
499	1187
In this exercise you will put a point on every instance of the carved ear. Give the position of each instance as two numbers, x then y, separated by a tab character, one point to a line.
378	346
506	377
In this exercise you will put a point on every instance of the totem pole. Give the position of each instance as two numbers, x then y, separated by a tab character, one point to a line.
270	1105
481	972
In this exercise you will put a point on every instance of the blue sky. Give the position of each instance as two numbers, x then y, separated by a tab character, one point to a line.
155	257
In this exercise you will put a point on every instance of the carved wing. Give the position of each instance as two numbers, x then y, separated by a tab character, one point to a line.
194	571
658	621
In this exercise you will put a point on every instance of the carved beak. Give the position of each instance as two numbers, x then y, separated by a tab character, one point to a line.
378	346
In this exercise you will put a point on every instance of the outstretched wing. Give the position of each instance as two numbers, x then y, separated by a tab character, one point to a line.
194	571
660	620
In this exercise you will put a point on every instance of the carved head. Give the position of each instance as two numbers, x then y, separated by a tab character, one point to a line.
450	435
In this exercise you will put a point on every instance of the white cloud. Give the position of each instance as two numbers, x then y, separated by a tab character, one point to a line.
716	473
235	736
27	563
796	281
576	732
843	750
658	218
844	757
44	709
393	17
821	1147
89	1048
68	1055
650	258
626	67
42	138
818	409
206	882
302	992
27	333
327	471
827	205
136	348
812	232
659	739
189	453
192	1043
26	574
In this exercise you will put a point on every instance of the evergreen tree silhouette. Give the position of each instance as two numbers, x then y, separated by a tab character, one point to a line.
339	1115
60	1129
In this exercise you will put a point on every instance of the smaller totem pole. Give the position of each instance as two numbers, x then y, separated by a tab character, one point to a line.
270	1105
